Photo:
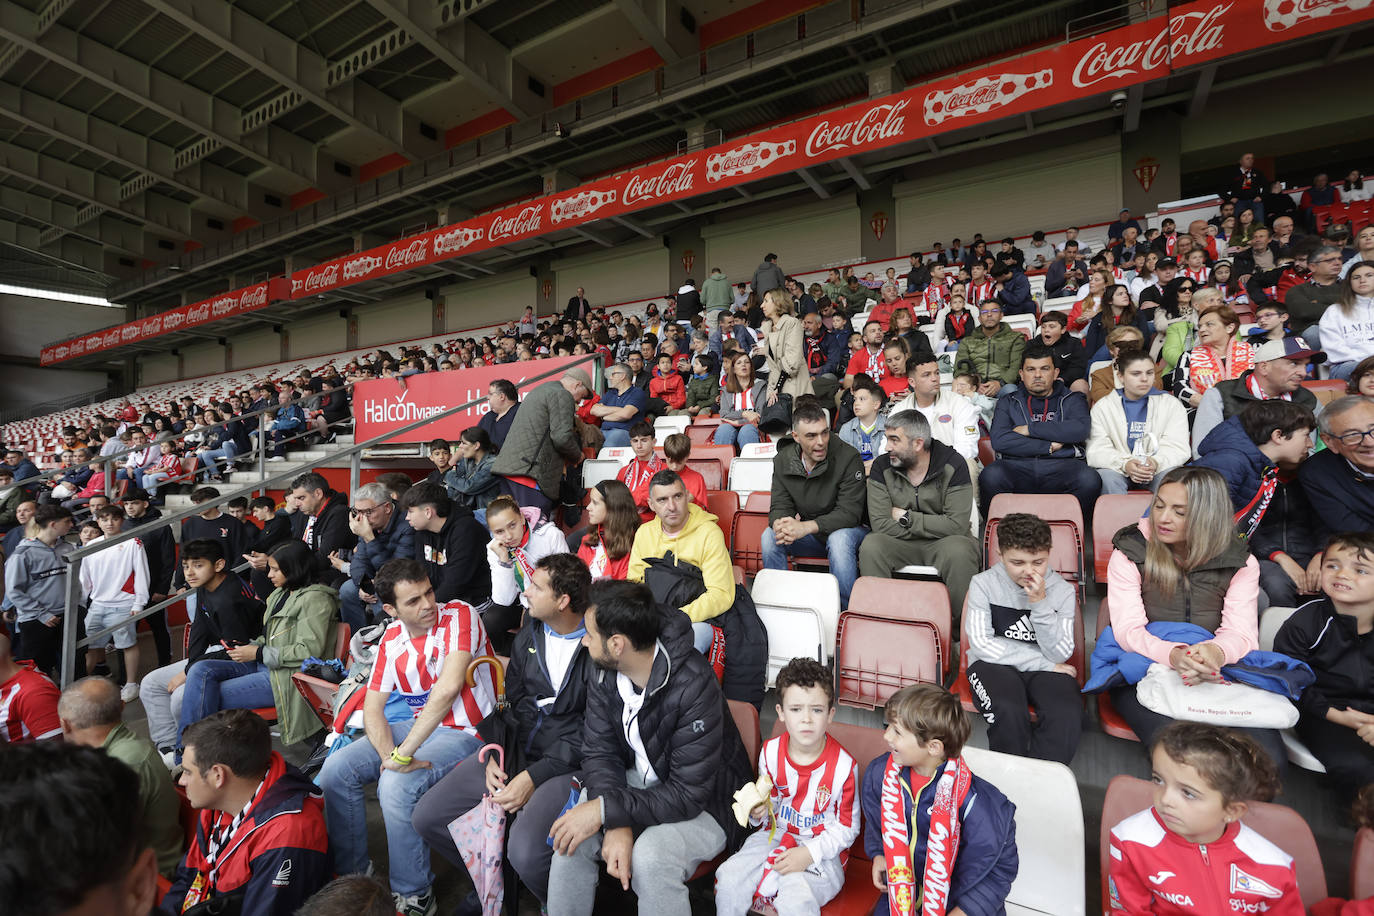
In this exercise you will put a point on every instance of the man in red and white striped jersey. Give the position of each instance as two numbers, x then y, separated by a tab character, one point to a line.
28	702
422	659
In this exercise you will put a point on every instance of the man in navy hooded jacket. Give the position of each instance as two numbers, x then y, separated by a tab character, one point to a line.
1039	431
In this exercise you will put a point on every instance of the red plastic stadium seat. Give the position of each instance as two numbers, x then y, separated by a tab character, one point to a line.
1111	720
894	633
1325	389
758	501
1278	824
986	455
1111	513
746	540
723	504
710	471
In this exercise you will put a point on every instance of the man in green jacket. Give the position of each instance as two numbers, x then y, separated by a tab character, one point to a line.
818	499
715	292
920	504
91	713
541	440
993	351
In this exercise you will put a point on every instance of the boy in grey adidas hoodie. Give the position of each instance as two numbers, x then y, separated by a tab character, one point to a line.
36	581
1019	629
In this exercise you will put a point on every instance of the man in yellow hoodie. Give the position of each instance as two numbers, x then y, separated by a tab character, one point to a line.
693	536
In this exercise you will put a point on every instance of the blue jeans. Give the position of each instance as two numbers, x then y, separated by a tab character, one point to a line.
213	684
352	609
345	775
1343	370
616	438
841	548
735	435
225	452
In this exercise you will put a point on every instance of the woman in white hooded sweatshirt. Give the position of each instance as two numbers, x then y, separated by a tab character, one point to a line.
1139	433
1347	328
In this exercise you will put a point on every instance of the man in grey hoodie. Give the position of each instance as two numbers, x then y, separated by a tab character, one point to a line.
768	275
36	581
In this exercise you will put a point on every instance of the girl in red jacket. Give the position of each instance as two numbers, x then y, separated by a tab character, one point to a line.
1189	854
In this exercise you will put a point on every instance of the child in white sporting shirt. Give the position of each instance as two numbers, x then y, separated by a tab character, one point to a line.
795	862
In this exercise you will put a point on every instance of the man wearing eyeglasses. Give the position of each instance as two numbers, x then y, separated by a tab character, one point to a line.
383	534
1340	480
993	351
1307	302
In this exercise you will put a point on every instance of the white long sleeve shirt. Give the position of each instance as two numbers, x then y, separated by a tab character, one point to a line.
117	575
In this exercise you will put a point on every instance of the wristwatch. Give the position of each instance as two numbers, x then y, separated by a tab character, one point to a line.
905	520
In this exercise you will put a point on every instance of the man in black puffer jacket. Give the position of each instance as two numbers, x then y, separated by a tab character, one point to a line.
660	761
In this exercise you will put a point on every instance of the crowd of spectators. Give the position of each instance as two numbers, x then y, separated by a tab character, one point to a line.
627	635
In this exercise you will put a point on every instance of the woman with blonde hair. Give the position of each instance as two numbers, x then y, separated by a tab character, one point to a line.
1185	564
784	348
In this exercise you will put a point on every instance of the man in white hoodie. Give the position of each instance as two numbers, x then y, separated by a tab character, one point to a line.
952	417
520	539
115	581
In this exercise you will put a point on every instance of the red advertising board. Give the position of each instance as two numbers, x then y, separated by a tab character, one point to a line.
383	405
235	302
1189	36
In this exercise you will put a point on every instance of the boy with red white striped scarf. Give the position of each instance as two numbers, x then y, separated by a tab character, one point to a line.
795	863
943	841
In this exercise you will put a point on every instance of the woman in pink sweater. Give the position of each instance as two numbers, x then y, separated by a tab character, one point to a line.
1184	563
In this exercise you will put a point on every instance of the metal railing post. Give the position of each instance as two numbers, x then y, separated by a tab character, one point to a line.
262	446
67	674
355	472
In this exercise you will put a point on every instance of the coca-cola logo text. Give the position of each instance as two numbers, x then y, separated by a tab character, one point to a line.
522	223
881	122
322	278
151	326
197	314
398	258
1183	36
675	179
111	339
253	298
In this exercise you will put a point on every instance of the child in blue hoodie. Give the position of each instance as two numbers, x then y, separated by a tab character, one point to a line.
942	840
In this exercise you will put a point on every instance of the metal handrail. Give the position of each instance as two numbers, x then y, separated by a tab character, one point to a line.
70	644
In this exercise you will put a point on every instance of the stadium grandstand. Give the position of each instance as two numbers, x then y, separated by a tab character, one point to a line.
833	425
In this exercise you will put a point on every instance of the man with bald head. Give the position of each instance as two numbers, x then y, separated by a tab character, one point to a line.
91	713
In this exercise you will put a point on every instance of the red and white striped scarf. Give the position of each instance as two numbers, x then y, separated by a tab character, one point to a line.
942	842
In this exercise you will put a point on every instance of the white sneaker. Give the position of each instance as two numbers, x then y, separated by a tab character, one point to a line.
169	758
416	904
129	692
277	458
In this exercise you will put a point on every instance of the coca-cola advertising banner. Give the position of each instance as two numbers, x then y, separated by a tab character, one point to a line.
1190	35
387	404
234	302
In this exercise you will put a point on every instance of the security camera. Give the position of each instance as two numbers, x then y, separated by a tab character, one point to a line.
1118	101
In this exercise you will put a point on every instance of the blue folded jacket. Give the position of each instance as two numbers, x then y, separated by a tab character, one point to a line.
1113	666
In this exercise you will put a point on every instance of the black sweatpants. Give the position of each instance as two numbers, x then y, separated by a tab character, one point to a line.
1349	761
1146	724
42	645
1002	694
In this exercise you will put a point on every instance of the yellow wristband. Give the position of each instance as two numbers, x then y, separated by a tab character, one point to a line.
403	761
